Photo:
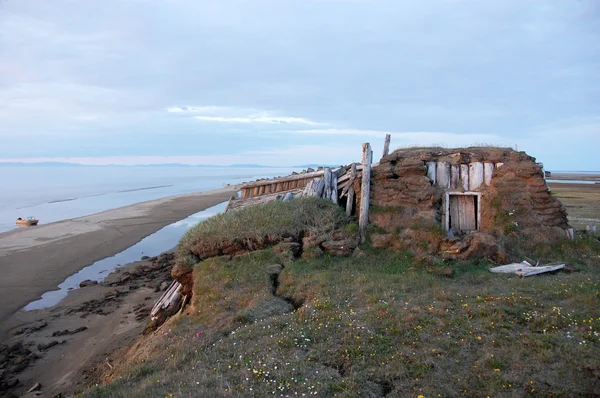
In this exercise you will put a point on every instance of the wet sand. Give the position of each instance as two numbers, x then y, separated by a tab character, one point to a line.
37	259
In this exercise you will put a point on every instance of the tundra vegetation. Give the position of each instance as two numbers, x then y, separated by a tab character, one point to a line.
380	322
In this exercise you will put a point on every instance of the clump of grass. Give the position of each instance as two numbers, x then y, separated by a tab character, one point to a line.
270	222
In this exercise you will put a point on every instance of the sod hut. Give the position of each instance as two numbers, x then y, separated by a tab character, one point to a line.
461	202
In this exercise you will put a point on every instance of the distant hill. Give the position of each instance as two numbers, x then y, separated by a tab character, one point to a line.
39	164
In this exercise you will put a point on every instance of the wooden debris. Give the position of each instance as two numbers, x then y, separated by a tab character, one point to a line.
36	387
350	187
525	269
363	220
168	300
314	188
386	145
475	175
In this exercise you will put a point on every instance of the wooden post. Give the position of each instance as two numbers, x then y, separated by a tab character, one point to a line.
386	145
327	176
334	188
350	202
363	220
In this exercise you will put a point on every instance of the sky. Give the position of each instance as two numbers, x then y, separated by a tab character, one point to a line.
289	82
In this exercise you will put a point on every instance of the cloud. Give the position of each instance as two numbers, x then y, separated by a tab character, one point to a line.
221	114
86	81
259	119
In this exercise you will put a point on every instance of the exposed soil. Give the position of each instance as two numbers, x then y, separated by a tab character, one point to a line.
64	348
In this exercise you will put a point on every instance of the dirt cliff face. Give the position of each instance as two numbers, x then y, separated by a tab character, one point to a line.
414	190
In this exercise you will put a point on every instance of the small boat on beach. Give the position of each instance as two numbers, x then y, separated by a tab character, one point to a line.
27	221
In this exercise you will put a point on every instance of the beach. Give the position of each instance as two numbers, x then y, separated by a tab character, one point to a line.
36	260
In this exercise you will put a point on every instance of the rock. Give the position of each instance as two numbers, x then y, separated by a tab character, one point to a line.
283	247
44	347
483	245
313	241
145	257
36	387
30	329
67	332
340	247
88	282
164	285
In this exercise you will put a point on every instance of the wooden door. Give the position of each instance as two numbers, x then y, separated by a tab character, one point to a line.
462	213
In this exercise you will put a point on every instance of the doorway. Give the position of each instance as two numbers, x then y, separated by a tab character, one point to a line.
462	212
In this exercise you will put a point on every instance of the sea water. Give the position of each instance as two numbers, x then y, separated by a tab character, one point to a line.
52	193
152	245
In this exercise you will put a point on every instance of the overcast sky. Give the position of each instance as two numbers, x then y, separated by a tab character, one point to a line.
286	82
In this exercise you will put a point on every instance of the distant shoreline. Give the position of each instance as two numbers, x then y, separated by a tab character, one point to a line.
36	260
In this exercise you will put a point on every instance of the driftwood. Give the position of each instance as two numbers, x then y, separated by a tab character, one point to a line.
282	180
363	220
314	188
350	187
570	233
525	269
168	301
328	177
386	145
590	229
475	175
334	188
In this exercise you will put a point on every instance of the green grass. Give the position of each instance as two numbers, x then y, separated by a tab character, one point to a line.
271	221
378	324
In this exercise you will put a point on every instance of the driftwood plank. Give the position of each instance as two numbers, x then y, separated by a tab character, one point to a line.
454	176
386	145
432	171
525	269
443	174
475	175
350	201
363	220
464	176
488	172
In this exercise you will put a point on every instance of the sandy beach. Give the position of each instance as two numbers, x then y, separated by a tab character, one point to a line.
35	260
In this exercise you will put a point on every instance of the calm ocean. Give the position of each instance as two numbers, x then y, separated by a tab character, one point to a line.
58	193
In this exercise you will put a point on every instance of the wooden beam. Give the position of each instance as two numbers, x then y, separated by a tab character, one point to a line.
334	188
363	220
283	179
328	177
350	201
386	145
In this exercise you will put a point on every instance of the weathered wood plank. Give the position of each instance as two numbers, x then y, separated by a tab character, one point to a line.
350	201
464	176
488	172
525	269
443	174
334	188
454	176
386	145
432	172
475	175
284	179
466	213
363	220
